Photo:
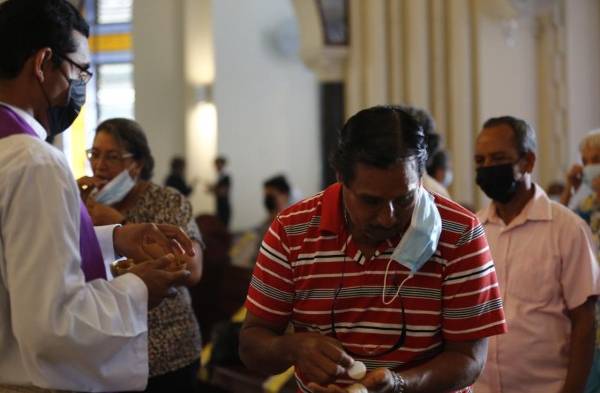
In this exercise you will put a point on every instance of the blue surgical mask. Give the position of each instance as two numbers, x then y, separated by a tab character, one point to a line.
448	177
590	172
420	240
115	190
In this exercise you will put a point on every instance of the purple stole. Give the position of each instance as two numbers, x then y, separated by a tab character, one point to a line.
92	262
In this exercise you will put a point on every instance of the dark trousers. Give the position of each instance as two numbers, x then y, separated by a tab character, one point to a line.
182	380
224	210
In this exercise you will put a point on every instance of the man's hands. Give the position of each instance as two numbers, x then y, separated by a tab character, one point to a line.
380	380
159	281
142	242
319	358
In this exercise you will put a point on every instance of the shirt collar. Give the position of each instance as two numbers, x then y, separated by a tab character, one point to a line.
30	120
538	208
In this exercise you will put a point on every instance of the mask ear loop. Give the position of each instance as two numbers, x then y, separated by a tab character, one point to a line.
384	291
387	269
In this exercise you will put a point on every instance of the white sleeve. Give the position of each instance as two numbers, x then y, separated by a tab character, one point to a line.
72	335
104	233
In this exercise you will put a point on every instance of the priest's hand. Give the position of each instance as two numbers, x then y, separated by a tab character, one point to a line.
142	242
160	281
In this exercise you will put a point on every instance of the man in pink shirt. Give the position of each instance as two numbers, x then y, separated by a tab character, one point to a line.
547	271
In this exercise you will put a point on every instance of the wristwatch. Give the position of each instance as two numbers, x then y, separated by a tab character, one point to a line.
399	384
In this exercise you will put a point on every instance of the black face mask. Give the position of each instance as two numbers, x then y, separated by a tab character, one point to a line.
497	182
270	203
61	117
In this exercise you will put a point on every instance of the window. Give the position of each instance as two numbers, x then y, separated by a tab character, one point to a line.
115	95
114	11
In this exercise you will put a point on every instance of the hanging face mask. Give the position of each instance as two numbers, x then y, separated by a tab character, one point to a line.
448	177
61	117
590	172
497	182
115	190
420	240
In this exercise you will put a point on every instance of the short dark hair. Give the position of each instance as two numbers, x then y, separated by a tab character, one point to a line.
439	160
177	163
525	139
380	136
279	183
432	138
131	137
27	26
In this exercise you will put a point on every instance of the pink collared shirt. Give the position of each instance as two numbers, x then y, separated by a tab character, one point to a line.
546	265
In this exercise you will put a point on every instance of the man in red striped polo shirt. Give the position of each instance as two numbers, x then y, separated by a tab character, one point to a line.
376	269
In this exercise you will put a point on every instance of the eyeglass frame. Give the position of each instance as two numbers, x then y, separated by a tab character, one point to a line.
399	343
82	70
89	155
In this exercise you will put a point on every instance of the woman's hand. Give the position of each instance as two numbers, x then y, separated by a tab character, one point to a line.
103	214
573	182
574	177
88	184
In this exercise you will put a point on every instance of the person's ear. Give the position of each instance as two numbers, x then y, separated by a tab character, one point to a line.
40	60
135	170
528	162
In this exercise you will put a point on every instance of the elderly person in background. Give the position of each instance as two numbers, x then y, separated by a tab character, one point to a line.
121	192
588	208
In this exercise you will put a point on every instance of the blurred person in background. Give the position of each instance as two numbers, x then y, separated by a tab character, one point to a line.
277	193
439	167
221	190
121	192
588	208
577	186
432	140
176	178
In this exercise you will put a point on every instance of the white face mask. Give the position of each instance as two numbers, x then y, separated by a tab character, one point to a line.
590	172
448	177
115	190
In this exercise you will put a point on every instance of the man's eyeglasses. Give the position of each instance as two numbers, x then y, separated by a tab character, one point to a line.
85	75
111	158
370	354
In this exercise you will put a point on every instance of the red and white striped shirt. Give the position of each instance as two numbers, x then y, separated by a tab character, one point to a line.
307	256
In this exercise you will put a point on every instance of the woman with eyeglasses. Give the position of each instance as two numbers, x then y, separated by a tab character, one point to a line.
120	191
